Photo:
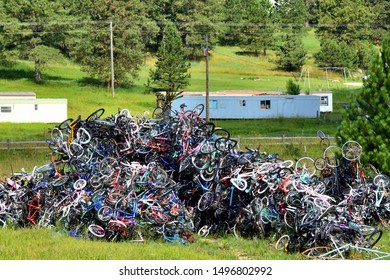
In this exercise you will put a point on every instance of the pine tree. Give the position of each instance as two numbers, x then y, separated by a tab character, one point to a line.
130	27
290	53
171	65
367	120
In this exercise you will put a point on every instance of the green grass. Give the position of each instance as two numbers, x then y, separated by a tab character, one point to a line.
49	244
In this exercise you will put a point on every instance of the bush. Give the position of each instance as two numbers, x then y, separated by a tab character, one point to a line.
293	88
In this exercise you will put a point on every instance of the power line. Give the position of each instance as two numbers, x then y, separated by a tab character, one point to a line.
196	23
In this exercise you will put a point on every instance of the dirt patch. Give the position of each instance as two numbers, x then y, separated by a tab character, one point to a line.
356	84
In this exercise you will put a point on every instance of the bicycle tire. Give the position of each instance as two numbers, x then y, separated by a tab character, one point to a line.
95	115
65	124
220	132
321	134
332	156
204	231
320	163
224	144
324	143
381	181
288	218
374	237
282	243
96	230
286	163
200	161
75	150
207	128
208	147
198	109
105	213
205	201
236	231
285	172
351	150
318	251
305	166
208	174
184	164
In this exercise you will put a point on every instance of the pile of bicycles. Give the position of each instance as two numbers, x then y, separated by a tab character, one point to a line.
125	177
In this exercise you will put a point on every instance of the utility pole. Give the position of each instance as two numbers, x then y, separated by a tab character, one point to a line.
112	61
206	53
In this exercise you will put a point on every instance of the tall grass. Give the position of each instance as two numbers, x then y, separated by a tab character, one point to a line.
12	160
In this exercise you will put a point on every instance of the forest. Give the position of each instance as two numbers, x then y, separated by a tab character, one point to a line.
92	32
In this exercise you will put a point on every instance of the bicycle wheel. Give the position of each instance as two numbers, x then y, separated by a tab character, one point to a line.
75	150
286	163
95	115
320	163
105	213
200	161
65	124
282	242
351	150
320	252
289	218
324	143
321	134
374	237
220	132
225	144
209	173
160	218
205	201
284	173
96	230
332	156
381	181
305	166
198	110
208	147
184	164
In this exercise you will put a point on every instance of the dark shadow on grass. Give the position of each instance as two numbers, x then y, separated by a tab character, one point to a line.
93	82
16	74
88	81
248	53
8	72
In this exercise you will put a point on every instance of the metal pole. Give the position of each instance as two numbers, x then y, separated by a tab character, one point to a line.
112	61
207	80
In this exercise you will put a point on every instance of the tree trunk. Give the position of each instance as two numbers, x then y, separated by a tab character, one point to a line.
38	77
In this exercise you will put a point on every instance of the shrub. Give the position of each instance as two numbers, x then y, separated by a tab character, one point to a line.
292	87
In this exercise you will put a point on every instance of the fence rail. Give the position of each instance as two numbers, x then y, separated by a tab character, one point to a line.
23	145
